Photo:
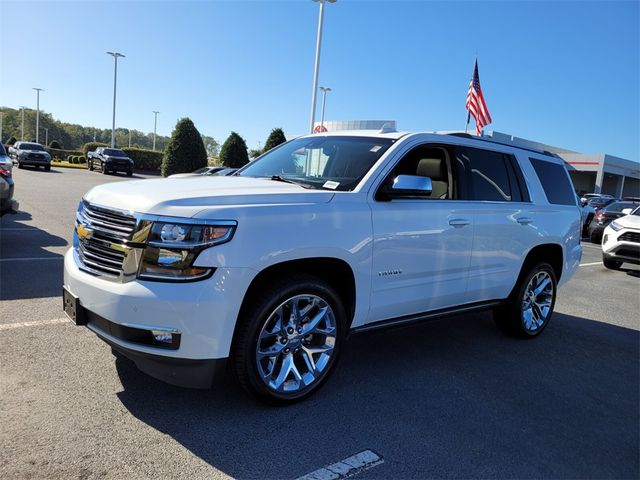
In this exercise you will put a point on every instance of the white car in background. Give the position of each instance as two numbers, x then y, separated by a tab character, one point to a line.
621	241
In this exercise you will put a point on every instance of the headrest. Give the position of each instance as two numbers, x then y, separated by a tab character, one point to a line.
431	167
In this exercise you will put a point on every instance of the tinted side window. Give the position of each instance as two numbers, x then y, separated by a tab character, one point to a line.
555	182
489	178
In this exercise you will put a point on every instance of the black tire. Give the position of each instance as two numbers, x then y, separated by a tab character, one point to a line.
47	168
20	165
262	308
129	173
611	264
596	237
511	318
90	165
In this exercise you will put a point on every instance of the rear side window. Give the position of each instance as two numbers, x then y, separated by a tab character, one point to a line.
555	182
488	175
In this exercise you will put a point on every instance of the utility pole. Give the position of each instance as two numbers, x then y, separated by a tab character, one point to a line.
155	124
324	101
1	113
316	68
22	107
115	56
46	137
38	90
129	138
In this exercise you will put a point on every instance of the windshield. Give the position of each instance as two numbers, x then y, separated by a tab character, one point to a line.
332	162
619	206
31	146
114	152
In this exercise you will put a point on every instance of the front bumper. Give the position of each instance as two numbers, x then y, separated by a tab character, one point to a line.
620	250
204	313
35	161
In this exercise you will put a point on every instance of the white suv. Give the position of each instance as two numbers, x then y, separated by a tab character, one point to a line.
323	236
621	240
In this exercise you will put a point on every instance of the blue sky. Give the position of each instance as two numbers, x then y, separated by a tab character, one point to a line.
560	72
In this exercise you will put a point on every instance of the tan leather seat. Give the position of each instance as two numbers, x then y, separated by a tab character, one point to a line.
436	169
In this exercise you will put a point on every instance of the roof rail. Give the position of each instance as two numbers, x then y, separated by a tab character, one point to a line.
490	140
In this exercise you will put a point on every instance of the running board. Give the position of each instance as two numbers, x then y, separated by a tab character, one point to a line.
423	317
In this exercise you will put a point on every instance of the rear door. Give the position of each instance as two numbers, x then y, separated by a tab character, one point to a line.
504	221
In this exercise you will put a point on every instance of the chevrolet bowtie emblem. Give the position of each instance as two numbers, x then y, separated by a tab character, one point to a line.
83	232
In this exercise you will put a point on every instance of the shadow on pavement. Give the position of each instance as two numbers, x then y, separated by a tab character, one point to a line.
27	269
453	398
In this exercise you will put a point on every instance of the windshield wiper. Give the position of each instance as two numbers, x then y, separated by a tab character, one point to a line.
278	178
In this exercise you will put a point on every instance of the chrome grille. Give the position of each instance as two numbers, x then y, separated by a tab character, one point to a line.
103	235
630	237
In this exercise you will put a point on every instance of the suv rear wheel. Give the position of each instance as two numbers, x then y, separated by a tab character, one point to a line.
611	264
289	339
528	310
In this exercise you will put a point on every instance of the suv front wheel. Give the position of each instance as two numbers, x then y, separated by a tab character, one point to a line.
528	309
289	339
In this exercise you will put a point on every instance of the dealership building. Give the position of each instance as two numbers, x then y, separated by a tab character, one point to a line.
590	172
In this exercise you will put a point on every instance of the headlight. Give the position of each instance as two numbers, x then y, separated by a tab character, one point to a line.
173	247
616	226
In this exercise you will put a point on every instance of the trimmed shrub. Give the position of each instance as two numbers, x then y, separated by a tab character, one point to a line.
234	151
55	144
276	137
60	155
185	151
144	159
91	146
82	159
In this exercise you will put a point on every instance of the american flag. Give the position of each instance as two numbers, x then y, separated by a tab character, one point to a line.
475	103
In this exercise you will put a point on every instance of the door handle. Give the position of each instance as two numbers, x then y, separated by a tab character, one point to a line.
524	220
459	222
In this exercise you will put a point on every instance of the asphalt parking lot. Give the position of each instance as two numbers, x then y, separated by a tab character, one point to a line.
451	398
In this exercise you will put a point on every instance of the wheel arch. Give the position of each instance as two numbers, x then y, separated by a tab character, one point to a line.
551	253
335	271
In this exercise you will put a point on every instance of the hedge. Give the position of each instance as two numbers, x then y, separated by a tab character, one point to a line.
61	154
144	159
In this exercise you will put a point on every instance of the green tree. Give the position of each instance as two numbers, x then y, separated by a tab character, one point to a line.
234	151
253	153
276	137
185	151
12	140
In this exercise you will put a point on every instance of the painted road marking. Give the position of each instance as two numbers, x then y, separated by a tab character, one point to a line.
30	259
590	264
346	468
53	321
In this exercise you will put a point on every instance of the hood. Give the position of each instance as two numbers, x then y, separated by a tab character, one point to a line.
185	197
43	152
629	221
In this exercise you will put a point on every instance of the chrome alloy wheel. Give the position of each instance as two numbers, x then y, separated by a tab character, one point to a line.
296	343
537	301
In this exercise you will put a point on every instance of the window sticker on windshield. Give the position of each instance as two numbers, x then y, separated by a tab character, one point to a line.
375	148
331	185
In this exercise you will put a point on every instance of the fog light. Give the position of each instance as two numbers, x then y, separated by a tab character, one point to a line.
162	337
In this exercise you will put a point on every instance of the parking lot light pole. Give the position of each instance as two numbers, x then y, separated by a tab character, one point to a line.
316	68
46	137
22	107
38	90
1	113
155	124
115	56
324	101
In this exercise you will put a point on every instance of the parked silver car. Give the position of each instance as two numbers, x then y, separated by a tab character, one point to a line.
7	203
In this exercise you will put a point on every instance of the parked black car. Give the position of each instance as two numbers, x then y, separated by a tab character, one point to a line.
605	216
110	160
600	202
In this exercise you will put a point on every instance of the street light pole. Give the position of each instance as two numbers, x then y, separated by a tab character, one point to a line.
155	124
316	68
46	136
38	90
324	101
115	56
22	107
1	113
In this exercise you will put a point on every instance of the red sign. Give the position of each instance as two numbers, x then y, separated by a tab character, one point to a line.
320	129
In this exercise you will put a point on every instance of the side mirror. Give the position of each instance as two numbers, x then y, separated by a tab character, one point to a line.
627	211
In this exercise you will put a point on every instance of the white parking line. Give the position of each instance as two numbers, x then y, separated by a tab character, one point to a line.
590	264
346	468
38	323
30	259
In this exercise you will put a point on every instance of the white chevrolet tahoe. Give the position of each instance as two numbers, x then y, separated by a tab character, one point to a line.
267	272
